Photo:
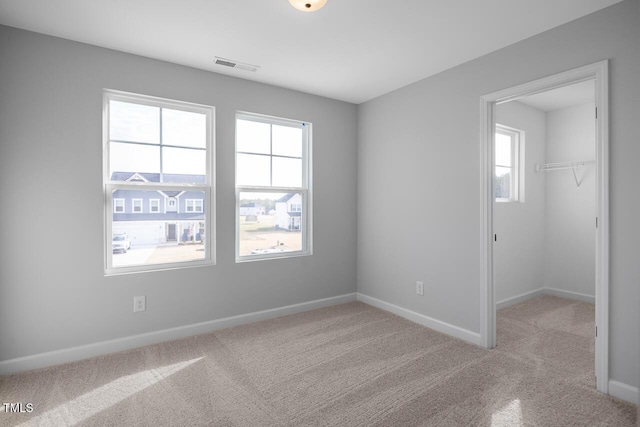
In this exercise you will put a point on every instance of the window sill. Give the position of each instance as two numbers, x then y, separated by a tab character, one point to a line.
118	271
284	255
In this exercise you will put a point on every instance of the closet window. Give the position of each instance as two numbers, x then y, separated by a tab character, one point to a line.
508	158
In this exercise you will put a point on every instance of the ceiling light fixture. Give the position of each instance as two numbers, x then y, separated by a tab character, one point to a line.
308	5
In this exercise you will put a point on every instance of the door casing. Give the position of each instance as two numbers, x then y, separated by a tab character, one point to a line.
598	72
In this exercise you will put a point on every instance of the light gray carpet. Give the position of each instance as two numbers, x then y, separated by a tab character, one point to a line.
348	365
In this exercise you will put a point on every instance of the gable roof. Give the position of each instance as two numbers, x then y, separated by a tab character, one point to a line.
174	178
286	197
168	216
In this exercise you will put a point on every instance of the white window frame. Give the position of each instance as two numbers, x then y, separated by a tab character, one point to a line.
517	162
109	187
157	205
133	206
118	202
304	190
196	204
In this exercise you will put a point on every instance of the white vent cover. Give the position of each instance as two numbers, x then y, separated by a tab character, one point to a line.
235	64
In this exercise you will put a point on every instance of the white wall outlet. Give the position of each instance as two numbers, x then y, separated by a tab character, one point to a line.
139	303
419	288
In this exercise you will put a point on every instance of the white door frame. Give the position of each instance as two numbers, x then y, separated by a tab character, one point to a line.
599	73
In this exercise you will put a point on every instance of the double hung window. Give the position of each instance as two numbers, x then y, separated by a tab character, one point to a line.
157	153
194	205
273	187
508	153
118	205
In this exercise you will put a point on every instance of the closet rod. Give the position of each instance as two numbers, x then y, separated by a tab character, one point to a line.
562	165
544	167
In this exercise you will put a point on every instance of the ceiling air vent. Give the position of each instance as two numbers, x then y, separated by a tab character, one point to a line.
235	64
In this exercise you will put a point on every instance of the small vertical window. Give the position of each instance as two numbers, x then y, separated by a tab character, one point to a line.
118	205
273	191
509	152
136	205
154	205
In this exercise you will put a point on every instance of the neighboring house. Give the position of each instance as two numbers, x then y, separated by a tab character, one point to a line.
251	209
289	212
152	217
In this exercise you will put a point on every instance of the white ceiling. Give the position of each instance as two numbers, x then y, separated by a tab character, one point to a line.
351	50
566	96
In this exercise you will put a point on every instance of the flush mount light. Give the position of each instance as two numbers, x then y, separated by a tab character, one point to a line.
308	5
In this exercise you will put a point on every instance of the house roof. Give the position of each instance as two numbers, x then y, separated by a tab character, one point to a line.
295	213
286	197
170	193
169	216
174	178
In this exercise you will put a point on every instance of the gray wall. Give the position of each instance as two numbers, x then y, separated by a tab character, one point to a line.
571	211
53	294
419	150
549	240
519	252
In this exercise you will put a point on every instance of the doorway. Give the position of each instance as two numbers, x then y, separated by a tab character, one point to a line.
596	73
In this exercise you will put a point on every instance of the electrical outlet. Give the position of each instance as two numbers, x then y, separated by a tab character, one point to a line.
139	303
419	288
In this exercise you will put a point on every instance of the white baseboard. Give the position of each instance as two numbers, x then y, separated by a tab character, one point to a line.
66	355
545	291
429	322
7	367
519	298
616	389
624	391
570	295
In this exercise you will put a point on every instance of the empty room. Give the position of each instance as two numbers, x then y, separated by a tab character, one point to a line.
322	212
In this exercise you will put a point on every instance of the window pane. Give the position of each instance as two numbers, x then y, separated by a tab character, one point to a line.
253	137
287	141
127	159
157	237
287	172
503	150
253	170
503	183
270	223
184	128
183	161
134	122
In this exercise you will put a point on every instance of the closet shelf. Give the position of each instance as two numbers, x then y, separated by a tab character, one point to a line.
547	167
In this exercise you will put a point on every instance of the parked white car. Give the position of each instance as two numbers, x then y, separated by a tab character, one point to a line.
121	243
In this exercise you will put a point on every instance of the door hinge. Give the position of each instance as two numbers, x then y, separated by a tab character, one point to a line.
495	237
596	332
596	113
596	222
